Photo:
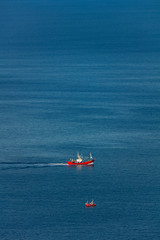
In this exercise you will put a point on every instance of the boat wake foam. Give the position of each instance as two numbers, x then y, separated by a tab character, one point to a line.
17	165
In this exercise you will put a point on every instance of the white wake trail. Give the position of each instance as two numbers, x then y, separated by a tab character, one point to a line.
6	166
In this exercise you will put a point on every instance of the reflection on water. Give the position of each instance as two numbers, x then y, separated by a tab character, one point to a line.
80	167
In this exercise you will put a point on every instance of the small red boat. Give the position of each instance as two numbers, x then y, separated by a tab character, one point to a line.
91	204
80	161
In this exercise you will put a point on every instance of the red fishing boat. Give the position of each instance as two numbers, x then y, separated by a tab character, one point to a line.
81	161
91	204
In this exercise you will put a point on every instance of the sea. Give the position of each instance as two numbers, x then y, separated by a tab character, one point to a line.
79	77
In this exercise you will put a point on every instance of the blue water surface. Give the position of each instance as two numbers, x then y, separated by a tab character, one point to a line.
79	76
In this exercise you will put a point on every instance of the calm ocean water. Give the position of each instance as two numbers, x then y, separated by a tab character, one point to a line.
80	77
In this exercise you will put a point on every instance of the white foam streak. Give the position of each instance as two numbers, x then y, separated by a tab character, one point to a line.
6	166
